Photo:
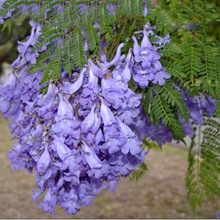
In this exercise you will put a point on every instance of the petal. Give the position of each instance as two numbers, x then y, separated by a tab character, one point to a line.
51	92
132	145
125	149
96	124
24	45
196	116
117	57
107	115
95	70
49	202
124	128
135	147
16	62
146	42
99	136
64	108
44	161
92	78
37	133
160	77
10	82
113	182
136	48
71	88
126	74
188	128
113	148
4	106
36	194
145	11
89	120
62	150
91	157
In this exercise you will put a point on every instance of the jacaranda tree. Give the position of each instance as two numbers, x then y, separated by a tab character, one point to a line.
99	83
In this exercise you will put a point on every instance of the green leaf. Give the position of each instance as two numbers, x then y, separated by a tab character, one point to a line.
7	25
203	175
138	173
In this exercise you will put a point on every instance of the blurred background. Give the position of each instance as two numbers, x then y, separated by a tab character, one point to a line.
160	193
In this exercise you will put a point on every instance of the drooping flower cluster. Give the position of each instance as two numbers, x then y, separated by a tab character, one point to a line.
75	137
146	65
87	130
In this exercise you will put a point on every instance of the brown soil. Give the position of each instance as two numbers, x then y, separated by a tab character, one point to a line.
160	193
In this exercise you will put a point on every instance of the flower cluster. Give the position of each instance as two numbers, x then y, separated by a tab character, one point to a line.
198	107
146	65
75	136
87	130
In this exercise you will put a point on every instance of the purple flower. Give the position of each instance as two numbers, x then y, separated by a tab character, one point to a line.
116	59
97	124
145	43
112	182
49	202
195	113
112	93
44	161
126	74
89	121
65	127
188	128
146	66
113	145
106	114
62	150
23	46
9	85
208	104
163	40
136	47
82	135
17	162
71	88
132	144
64	109
160	77
4	105
91	157
38	131
95	70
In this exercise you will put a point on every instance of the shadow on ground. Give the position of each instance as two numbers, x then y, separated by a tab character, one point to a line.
159	194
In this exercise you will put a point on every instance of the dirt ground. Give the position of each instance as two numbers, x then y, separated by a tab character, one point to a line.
159	194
